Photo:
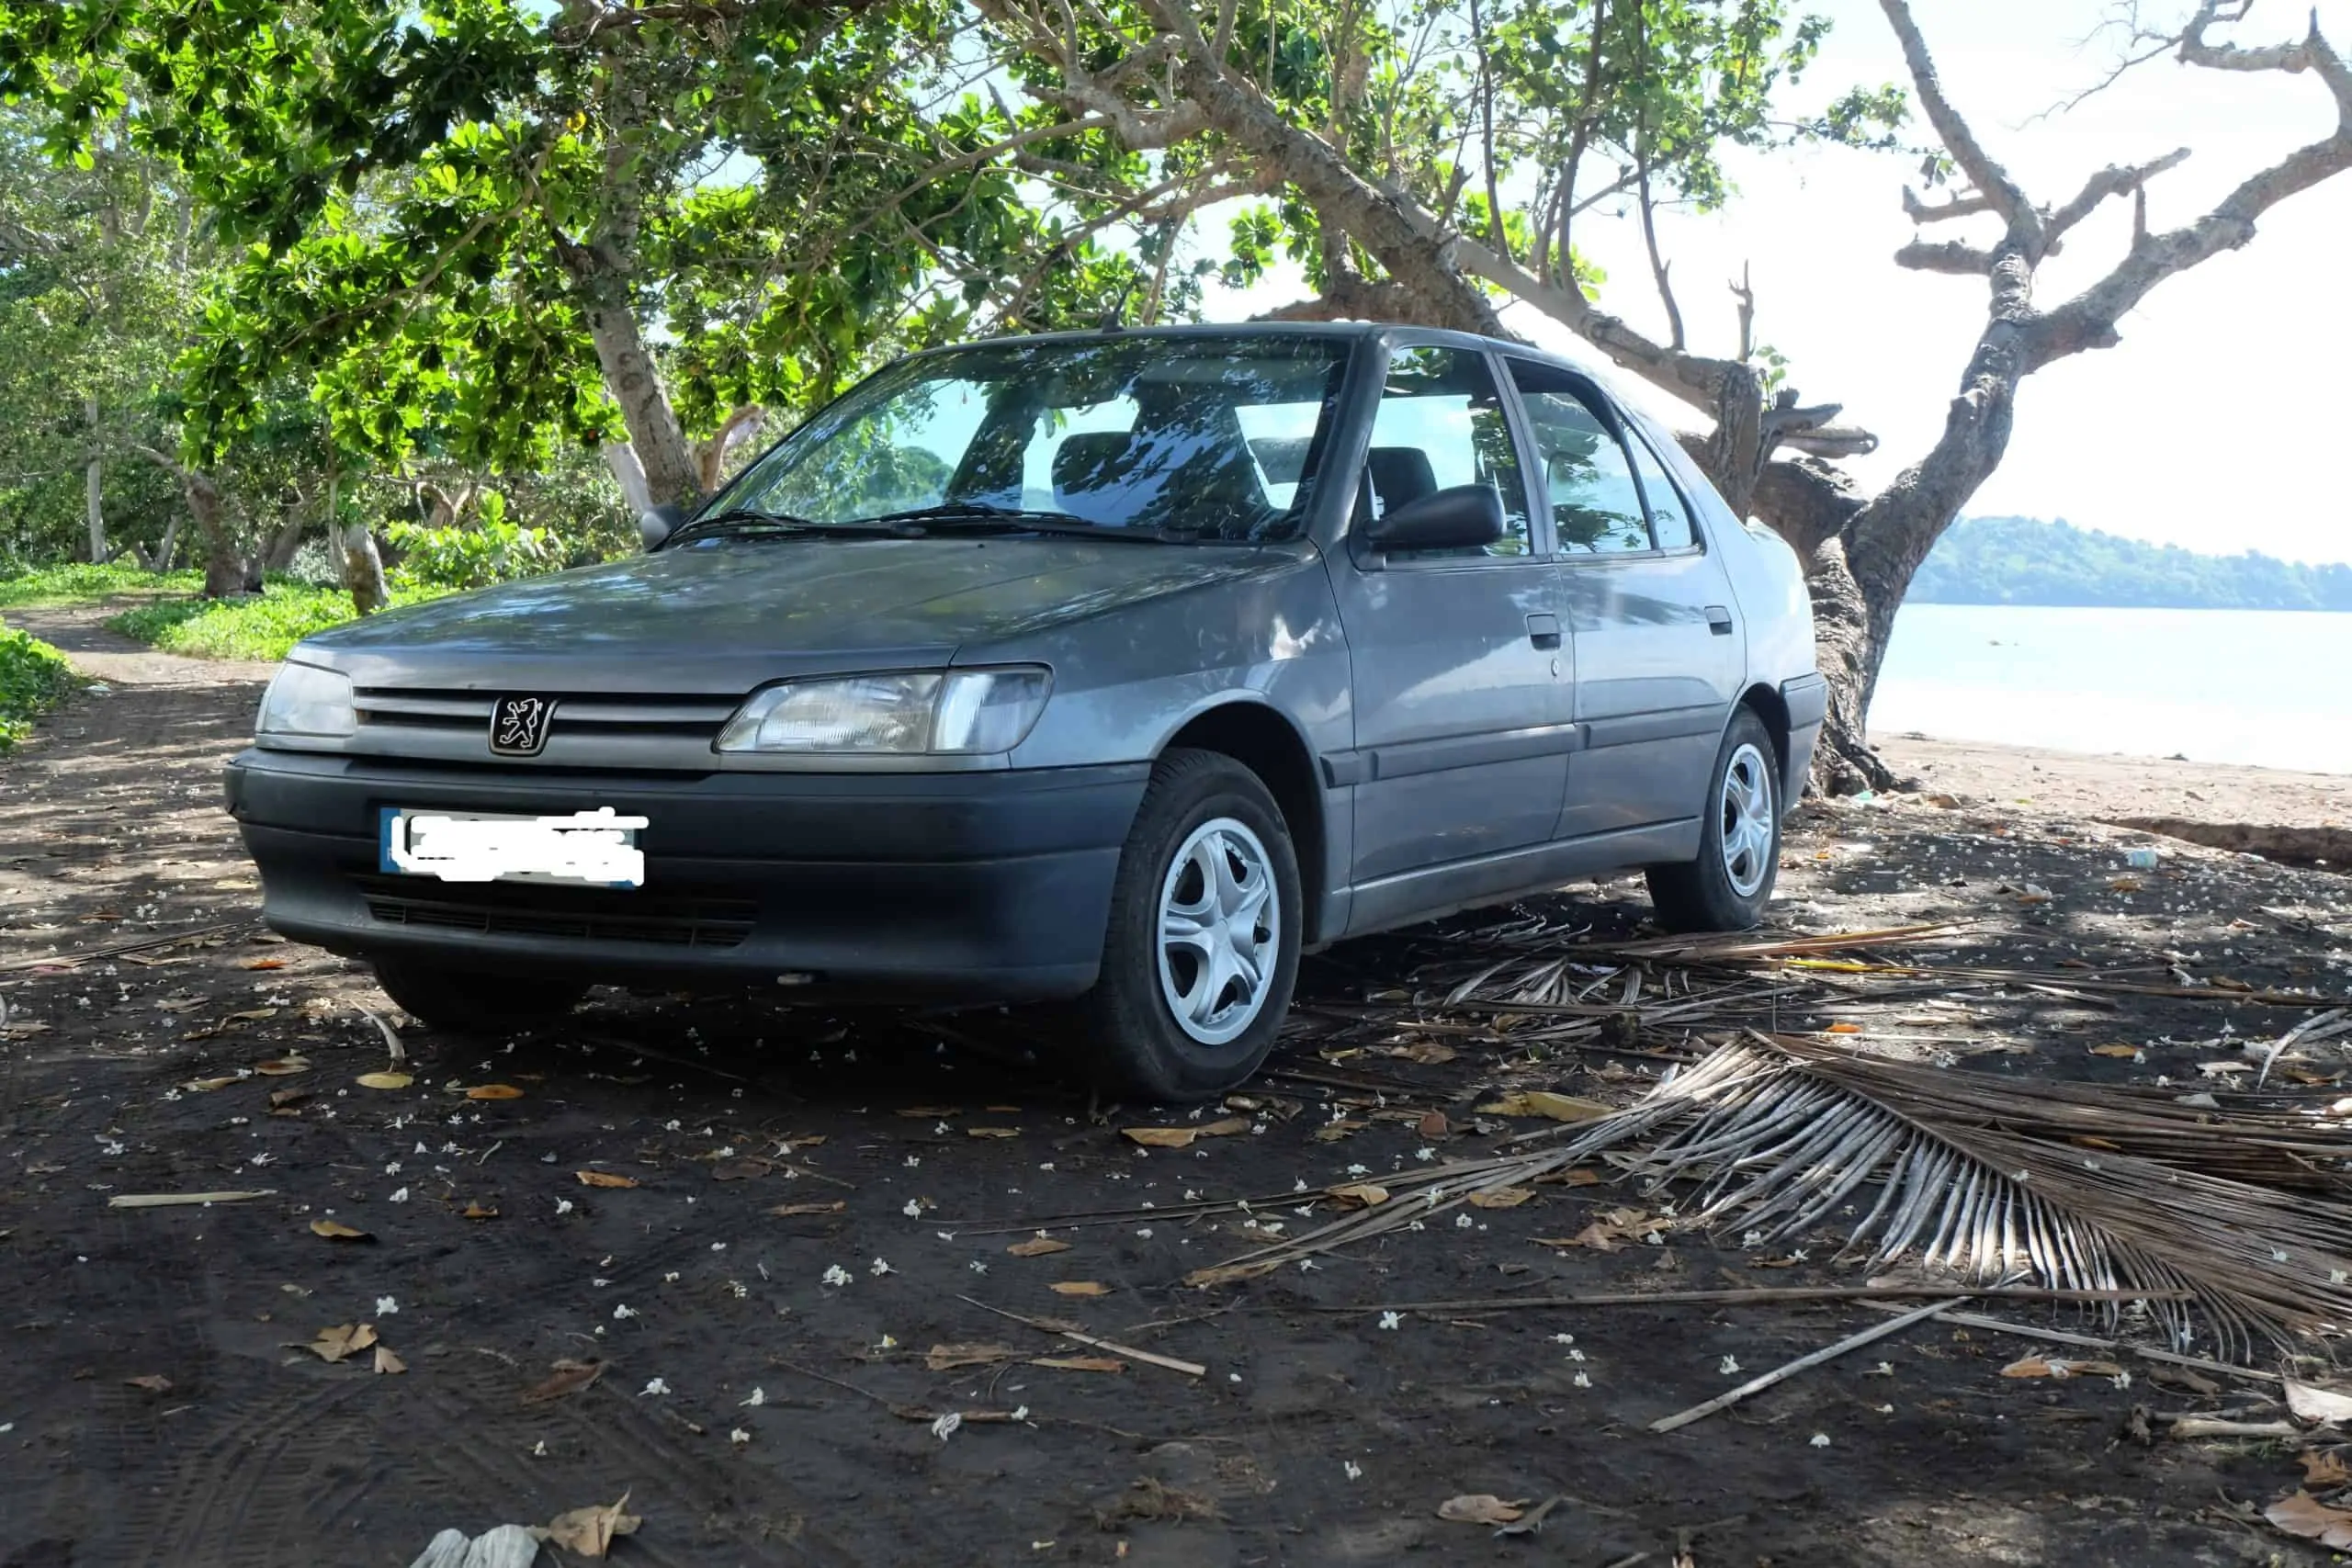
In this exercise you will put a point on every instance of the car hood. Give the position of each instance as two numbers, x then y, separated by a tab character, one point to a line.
725	615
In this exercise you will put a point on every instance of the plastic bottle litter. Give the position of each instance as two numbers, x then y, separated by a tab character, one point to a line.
2141	859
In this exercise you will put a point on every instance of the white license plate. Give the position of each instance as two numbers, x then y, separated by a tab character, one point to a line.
587	849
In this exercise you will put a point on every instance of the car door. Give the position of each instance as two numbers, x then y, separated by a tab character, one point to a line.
1659	650
1459	663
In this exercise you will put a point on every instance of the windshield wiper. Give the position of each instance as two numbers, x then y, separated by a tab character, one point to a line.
750	522
979	515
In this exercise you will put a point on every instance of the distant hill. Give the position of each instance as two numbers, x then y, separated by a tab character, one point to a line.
2023	560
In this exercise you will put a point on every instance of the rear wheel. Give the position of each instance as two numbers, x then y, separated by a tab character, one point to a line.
1726	887
475	1001
1201	948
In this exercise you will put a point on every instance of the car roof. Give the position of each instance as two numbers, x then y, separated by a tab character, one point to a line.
1344	331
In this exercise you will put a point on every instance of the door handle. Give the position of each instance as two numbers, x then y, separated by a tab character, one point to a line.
1544	631
1719	620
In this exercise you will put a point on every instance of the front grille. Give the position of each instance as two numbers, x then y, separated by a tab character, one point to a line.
583	715
574	914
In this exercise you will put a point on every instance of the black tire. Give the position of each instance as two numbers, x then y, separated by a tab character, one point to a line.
1706	894
475	1001
1135	1047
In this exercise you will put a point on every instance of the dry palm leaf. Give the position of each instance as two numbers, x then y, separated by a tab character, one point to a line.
1982	1179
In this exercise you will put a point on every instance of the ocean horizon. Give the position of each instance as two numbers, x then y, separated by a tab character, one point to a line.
2266	688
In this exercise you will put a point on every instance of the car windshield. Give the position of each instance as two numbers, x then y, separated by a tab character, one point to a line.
1176	438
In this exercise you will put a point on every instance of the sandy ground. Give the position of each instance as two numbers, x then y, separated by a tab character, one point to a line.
2112	786
786	1210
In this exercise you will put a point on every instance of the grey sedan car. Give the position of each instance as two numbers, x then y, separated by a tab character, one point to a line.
1120	666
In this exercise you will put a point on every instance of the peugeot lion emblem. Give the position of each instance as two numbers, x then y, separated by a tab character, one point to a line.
518	725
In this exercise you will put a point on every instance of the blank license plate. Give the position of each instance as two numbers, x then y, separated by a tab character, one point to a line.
587	849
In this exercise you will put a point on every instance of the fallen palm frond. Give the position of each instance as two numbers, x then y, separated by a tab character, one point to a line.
1981	1180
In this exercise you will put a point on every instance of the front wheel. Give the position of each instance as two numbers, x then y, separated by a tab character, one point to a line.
1739	846
1201	948
475	1001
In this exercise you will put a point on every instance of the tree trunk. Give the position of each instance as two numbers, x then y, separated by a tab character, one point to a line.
363	567
226	571
742	424
671	474
629	474
93	485
279	553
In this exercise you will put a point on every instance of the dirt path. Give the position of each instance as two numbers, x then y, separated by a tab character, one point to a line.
759	1410
79	632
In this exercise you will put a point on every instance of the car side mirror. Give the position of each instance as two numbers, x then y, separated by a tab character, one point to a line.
1458	517
658	523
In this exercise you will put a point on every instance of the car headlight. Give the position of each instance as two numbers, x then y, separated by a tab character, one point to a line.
306	701
961	711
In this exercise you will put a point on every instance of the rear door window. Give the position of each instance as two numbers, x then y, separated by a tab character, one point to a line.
1588	479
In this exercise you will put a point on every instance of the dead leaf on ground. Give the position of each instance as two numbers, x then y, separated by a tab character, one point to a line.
344	1340
493	1091
254	1015
1609	1231
1079	1288
2055	1367
2309	1402
929	1113
279	1099
569	1377
2301	1515
1161	1137
284	1066
1480	1508
1501	1198
739	1169
2325	1468
589	1532
1080	1363
947	1358
1037	1247
1433	1125
386	1362
478	1212
385	1080
206	1085
991	1131
2122	1052
154	1383
603	1179
1332	1131
786	1211
263	964
1542	1103
1360	1194
335	1230
1844	1026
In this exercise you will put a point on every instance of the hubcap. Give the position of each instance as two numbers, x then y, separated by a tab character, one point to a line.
1220	931
1747	811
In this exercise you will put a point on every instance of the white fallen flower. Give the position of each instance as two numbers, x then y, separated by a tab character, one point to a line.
979	1266
1730	1365
398	1196
624	1311
945	1427
1390	1319
759	1396
913	1210
1355	1470
386	1306
1020	1413
739	1436
562	1206
1581	1380
837	1276
1462	1221
1564	1339
654	1386
1821	1440
877	1268
889	1342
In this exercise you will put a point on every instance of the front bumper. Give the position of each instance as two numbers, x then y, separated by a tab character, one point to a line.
970	887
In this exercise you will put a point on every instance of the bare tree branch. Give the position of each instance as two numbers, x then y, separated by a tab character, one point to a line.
1959	205
1950	257
1992	181
1743	291
2114	180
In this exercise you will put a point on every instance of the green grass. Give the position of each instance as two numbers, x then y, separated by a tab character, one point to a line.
261	628
34	678
58	585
